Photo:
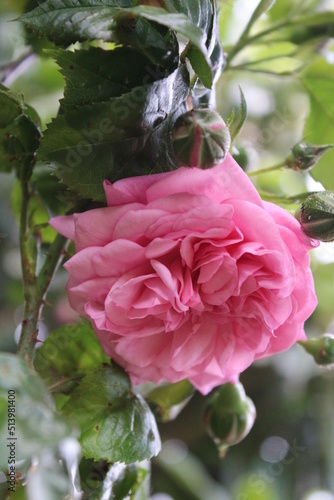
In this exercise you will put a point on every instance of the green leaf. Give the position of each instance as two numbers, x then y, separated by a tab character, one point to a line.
67	354
97	75
318	80
19	134
116	425
200	66
69	21
104	140
176	21
196	22
155	41
238	117
37	427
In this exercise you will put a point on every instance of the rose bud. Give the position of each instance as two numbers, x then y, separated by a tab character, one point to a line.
304	156
229	416
200	138
322	349
316	216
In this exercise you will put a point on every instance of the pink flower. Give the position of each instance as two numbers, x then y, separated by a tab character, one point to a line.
189	274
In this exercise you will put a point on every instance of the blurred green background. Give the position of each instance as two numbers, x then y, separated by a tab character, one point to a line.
289	454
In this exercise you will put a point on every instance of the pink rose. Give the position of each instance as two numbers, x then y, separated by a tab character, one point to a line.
189	274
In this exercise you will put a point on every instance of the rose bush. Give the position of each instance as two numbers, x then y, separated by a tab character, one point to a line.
189	274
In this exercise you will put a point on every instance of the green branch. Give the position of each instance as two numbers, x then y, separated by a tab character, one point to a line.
266	170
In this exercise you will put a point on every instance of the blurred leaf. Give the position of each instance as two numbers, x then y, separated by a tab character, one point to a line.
37	427
262	7
67	354
19	135
103	140
285	8
318	80
189	473
116	425
255	487
47	479
238	117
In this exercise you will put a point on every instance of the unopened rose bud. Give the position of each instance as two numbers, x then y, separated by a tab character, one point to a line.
200	138
229	416
316	216
304	156
322	349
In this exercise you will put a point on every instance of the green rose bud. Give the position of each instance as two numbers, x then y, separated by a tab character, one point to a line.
316	216
229	416
304	156
322	349
200	138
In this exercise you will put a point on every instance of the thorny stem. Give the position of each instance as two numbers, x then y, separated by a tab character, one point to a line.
34	286
30	318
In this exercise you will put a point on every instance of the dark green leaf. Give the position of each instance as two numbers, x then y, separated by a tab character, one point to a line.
200	66
188	27
97	75
19	135
155	41
126	483
68	21
116	425
67	354
37	427
104	140
199	13
318	80
176	21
